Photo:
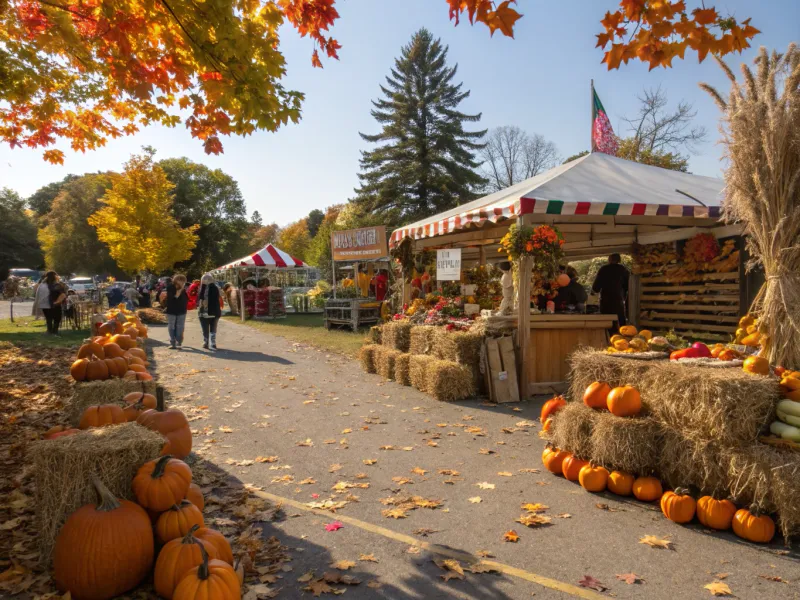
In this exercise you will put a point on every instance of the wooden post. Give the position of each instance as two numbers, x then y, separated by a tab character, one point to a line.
524	315
160	398
481	255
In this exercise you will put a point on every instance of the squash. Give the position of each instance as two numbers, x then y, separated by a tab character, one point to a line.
547	425
756	365
91	349
752	340
123	341
647	489
177	521
646	334
784	431
96	370
596	394
571	467
638	344
114	537
112	350
136	352
593	478
553	459
620	483
137	376
176	559
219	541
78	369
137	368
658	344
753	526
615	338
172	424
678	506
195	496
113	369
102	415
746	321
212	580
790	383
621	345
551	407
161	483
716	514
624	401
628	330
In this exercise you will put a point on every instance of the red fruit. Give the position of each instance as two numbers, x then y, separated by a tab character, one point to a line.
702	349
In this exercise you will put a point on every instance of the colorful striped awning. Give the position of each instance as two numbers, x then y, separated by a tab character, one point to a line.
268	256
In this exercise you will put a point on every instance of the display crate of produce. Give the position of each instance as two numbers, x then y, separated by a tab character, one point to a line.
354	312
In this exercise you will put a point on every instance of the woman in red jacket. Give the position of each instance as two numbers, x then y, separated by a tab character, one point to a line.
193	292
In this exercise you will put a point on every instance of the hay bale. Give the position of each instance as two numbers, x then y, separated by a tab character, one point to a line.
367	357
422	337
572	429
784	469
374	336
63	470
726	405
462	347
110	391
418	370
448	381
402	365
630	445
397	335
385	361
685	461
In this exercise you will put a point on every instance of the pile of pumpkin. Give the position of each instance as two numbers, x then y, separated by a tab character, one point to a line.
107	549
121	320
630	340
622	401
107	356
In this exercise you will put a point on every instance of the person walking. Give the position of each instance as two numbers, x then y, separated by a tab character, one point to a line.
48	299
208	311
177	301
612	284
131	298
193	290
36	310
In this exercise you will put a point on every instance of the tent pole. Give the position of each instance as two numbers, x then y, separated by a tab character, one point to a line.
241	294
591	116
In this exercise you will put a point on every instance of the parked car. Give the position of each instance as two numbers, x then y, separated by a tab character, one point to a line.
83	286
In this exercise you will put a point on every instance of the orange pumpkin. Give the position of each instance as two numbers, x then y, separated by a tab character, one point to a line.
91	349
624	401
195	496
137	368
620	483
123	341
571	467
593	478
756	365
716	514
59	431
102	415
177	521
137	403
138	352
122	366
647	489
131	331
96	370
142	331
752	526
172	424
108	328
114	537
678	506
553	459
137	376
548	425
112	368
176	559
100	339
727	354
596	395
212	580
219	541
112	350
135	360
78	369
551	407
161	483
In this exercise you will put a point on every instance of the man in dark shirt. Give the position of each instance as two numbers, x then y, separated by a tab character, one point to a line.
573	294
612	284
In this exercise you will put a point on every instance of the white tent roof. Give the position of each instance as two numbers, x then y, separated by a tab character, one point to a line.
269	256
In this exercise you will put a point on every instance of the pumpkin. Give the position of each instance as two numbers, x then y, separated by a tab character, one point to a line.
137	376
107	328
113	369
172	424
100	339
678	506
553	459
135	360
571	467
638	344
195	496
112	350
716	514
78	369
96	370
102	415
219	541
136	352
596	394
620	483
212	580
756	365
646	334
140	403
131	331
621	345
624	401
547	425
615	338
752	340
176	559
142	330
58	431
628	330
563	280
177	521
161	483
114	538
123	341
552	406
647	489
593	478
727	354
91	349
137	368
752	526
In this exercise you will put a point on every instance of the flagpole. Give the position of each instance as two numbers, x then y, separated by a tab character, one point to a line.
591	119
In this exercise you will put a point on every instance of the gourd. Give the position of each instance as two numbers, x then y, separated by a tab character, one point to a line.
176	559
136	376
596	394
102	415
620	483
177	521
647	489
628	330
621	345
112	350
551	407
678	506
212	580
787	432
571	467
172	424
646	334
756	365
716	514
553	459
753	526
624	401
161	483
593	478
114	537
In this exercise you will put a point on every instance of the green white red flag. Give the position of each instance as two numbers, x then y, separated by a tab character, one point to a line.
603	138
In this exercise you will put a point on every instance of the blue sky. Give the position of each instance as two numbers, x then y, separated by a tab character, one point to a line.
538	81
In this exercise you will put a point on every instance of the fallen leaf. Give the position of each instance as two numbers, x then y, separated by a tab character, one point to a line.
369	461
374	584
346	431
484	554
226	429
718	588
563	516
475	499
425	532
655	542
535	507
485	486
590	582
510	536
533	520
418	471
336	525
386	448
451	566
306	578
505	474
480	567
305	443
402	480
266	459
450	472
529	470
433	444
774	578
630	578
486	451
343	565
307	481
394	513
334	468
367	558
319	587
604	506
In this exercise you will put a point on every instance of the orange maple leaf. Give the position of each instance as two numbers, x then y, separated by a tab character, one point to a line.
705	16
503	19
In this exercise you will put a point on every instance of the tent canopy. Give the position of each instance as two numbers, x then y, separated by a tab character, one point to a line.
270	257
595	184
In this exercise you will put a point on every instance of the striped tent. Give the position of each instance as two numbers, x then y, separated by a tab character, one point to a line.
595	184
269	256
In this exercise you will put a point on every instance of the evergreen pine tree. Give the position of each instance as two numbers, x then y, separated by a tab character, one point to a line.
426	161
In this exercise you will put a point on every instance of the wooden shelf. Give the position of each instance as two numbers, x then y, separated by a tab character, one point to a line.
690	316
703	277
667	325
725	308
703	287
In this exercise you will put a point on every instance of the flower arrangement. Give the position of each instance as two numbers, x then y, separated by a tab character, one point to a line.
543	243
701	248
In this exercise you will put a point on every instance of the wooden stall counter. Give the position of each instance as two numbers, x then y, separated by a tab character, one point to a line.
552	340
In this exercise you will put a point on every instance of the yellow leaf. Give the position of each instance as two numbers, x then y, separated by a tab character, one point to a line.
343	565
655	542
475	499
718	588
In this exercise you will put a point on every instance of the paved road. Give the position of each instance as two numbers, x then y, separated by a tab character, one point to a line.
274	394
20	309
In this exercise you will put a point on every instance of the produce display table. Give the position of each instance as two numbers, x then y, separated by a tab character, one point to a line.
354	312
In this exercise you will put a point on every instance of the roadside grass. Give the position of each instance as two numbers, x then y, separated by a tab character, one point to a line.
309	329
25	331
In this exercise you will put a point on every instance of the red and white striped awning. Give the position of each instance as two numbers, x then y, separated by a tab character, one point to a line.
269	256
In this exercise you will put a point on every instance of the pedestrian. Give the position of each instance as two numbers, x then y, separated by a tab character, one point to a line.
36	310
131	298
48	299
70	312
612	284
177	301
193	290
208	311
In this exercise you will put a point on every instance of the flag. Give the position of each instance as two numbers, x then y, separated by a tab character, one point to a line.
603	138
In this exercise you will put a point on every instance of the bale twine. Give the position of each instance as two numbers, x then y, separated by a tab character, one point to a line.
402	364
418	370
374	336
422	337
63	470
385	361
629	445
110	391
448	381
367	357
572	429
397	335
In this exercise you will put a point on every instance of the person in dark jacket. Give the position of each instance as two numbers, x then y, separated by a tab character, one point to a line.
176	300
208	311
572	294
612	285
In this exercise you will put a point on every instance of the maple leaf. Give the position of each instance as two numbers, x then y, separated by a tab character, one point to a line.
319	587
369	461
394	513
335	467
503	18
55	157
343	565
266	459
475	499
590	582
386	448
335	526
305	443
510	536
452	566
486	451
306	577
367	558
485	486
402	480
533	520
505	474
705	16
534	507
418	471
630	578
656	542
717	588
563	516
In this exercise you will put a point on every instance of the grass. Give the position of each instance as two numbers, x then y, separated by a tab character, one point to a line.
25	331
310	329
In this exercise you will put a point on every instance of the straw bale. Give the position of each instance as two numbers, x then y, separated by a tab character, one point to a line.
402	364
422	337
397	335
385	361
448	381
418	370
630	445
463	347
110	391
686	461
367	357
714	404
63	470
375	334
572	429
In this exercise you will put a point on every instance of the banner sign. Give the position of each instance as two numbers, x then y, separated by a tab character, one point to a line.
448	265
367	243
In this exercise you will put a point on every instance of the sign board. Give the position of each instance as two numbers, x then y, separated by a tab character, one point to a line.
448	265
367	243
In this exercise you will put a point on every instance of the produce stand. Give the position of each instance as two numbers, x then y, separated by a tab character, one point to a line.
353	312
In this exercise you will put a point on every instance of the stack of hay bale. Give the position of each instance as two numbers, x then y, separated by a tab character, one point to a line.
444	364
699	427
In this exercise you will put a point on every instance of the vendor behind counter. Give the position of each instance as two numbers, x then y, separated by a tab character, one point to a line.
567	299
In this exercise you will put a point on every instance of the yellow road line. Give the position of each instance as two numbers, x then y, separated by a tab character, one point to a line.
553	584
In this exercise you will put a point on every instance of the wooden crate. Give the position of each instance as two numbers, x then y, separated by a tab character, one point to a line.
353	312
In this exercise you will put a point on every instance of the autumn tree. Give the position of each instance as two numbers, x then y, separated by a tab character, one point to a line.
18	244
319	250
575	156
630	149
261	236
511	155
137	223
425	161
314	220
41	200
294	239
